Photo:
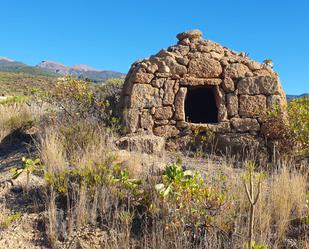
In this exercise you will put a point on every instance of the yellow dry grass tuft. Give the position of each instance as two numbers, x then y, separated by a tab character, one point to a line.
12	117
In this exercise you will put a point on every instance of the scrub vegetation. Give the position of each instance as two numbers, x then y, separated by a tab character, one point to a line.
80	191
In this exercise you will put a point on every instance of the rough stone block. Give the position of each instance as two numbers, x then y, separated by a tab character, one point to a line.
166	131
143	78
232	104
240	144
276	100
228	85
180	104
161	122
158	83
142	143
204	67
145	96
245	124
259	85
165	112
131	119
236	71
147	121
193	34
251	106
169	95
174	67
221	127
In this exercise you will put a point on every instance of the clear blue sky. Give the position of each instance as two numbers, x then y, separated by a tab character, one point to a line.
113	34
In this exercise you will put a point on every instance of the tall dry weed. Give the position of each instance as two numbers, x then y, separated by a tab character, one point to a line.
282	200
52	151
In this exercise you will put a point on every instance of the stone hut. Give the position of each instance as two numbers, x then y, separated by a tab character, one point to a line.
199	84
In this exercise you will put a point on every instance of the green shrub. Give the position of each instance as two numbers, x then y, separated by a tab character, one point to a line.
181	198
79	100
188	199
78	135
256	245
289	128
28	167
73	96
110	92
275	129
13	99
91	176
9	220
114	81
298	111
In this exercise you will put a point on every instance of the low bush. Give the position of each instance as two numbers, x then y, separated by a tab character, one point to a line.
75	100
110	91
298	111
13	99
288	128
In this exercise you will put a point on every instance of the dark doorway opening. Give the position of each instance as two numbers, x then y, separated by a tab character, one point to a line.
200	105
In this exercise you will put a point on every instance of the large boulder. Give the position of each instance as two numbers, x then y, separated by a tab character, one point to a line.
192	35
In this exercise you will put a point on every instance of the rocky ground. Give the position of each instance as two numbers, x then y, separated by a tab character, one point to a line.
21	212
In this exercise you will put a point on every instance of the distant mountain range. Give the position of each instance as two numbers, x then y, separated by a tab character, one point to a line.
50	68
81	71
291	97
9	65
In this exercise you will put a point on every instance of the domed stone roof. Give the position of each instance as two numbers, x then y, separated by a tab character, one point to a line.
198	84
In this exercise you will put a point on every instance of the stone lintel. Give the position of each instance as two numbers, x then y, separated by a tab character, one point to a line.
200	81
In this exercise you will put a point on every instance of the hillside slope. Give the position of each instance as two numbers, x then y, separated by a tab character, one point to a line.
21	83
291	97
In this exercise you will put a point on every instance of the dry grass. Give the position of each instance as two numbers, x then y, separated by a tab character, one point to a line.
287	199
51	224
17	115
283	200
52	151
13	117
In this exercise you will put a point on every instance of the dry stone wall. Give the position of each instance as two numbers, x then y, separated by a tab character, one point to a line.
155	89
